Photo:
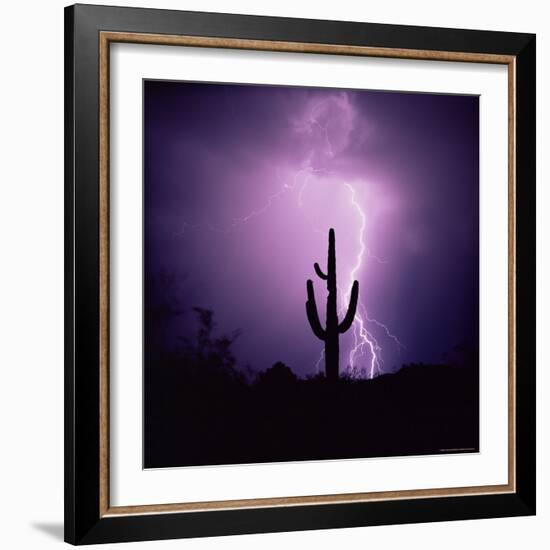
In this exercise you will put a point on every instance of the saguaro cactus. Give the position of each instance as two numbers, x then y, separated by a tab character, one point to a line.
331	334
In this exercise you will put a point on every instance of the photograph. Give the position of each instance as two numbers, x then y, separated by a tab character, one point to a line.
310	273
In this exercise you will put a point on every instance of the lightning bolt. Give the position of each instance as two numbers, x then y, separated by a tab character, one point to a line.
362	337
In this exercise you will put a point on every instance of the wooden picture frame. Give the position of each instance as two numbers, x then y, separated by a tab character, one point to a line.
89	33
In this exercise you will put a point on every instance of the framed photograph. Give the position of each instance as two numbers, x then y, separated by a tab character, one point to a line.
300	274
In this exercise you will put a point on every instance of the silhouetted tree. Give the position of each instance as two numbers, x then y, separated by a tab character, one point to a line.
331	334
212	355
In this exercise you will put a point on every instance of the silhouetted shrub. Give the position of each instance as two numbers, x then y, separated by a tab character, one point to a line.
277	375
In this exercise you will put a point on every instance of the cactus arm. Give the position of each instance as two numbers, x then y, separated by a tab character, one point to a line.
320	274
352	309
312	315
314	322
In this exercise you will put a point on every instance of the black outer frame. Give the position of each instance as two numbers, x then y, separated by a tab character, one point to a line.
83	524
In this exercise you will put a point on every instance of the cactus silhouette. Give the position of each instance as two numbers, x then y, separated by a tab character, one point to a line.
331	334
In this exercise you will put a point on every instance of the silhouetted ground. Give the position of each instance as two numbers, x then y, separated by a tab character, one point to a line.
203	412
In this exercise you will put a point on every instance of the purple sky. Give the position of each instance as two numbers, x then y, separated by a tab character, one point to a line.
242	184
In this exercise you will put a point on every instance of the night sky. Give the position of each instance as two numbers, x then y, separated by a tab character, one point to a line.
242	183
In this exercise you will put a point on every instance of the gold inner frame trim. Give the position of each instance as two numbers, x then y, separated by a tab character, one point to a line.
105	39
